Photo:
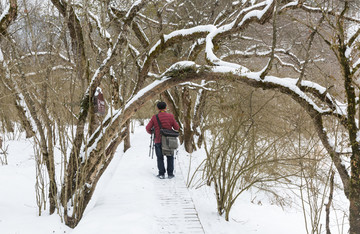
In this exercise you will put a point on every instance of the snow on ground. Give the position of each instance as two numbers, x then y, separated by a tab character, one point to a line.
18	209
127	199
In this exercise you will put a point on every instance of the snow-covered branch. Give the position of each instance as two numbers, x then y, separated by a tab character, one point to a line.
187	71
102	30
201	86
46	53
8	16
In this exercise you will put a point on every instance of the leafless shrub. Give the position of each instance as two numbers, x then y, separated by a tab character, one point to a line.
3	152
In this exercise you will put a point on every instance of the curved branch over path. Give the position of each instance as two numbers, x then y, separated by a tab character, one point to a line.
98	152
111	135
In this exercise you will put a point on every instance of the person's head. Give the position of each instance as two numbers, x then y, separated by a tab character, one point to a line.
161	105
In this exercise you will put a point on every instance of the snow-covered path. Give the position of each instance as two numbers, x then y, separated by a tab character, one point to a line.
136	201
177	212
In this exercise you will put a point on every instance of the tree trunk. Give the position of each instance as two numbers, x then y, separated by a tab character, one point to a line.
90	173
188	133
199	116
8	124
24	121
328	205
355	211
127	143
354	197
49	160
93	119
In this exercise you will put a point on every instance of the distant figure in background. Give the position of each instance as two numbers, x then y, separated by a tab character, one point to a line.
168	122
99	102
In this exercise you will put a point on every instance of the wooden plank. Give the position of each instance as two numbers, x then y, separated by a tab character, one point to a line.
178	211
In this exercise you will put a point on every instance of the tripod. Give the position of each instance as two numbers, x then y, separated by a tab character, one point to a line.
152	144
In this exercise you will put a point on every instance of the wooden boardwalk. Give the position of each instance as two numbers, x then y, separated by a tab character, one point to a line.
178	213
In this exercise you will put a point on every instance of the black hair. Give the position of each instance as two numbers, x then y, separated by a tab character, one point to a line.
161	105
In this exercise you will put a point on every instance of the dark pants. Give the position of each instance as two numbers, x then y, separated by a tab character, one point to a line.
160	161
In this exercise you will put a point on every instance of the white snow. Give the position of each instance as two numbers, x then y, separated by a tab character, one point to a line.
290	4
257	13
127	199
135	4
1	56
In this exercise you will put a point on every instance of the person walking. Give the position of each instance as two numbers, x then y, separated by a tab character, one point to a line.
167	122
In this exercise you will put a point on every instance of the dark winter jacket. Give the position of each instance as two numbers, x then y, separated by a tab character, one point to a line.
167	122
